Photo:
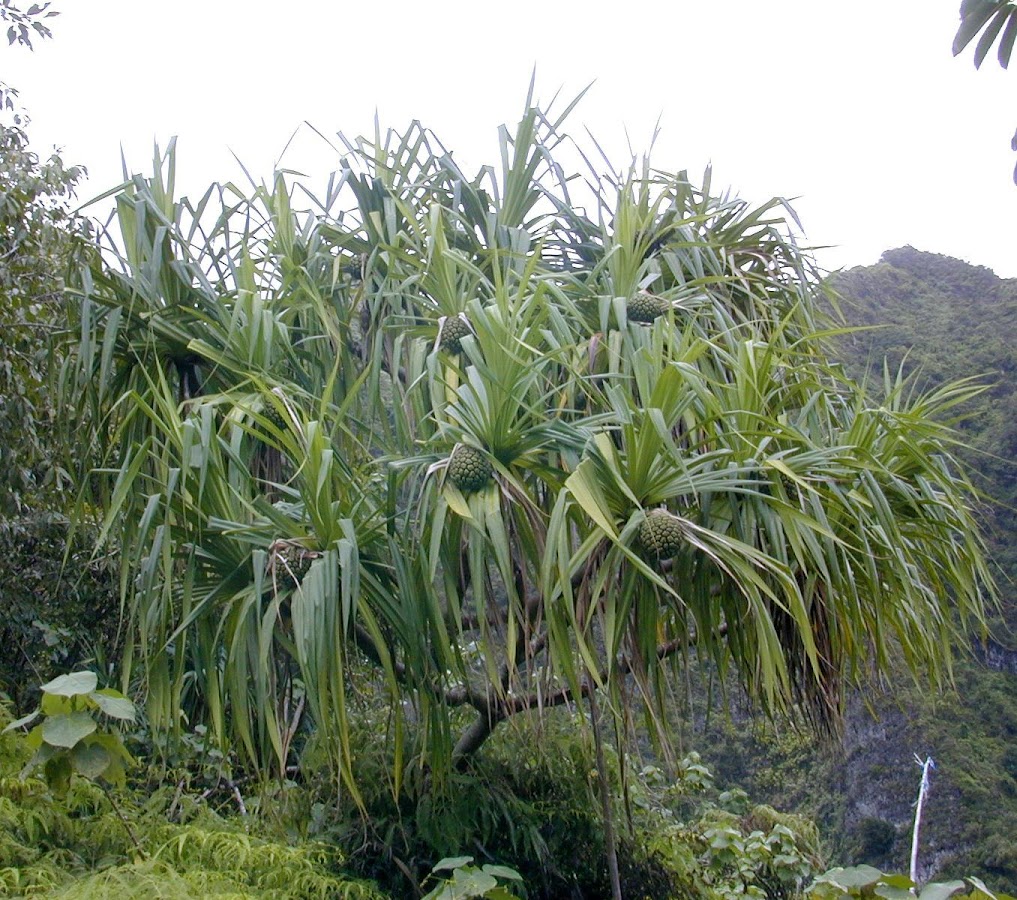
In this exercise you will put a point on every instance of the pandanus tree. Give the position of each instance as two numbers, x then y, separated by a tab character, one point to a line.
514	440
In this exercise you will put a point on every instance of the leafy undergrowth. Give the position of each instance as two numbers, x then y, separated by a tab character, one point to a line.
529	803
535	811
78	846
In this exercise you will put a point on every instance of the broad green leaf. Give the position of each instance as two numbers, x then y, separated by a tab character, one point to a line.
114	704
54	704
852	877
451	862
891	892
72	685
470	882
114	746
67	729
502	872
941	890
57	773
90	759
898	881
24	720
119	758
43	754
33	740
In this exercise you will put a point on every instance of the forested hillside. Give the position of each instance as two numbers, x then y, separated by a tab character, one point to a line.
942	320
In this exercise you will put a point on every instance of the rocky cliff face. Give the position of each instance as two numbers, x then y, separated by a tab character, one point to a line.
993	655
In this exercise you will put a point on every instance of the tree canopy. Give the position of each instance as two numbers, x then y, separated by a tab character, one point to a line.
513	439
38	244
23	26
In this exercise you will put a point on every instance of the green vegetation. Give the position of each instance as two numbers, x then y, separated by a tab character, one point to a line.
494	882
861	792
684	838
41	241
535	810
402	518
69	741
948	320
76	845
864	881
959	320
477	534
943	319
61	604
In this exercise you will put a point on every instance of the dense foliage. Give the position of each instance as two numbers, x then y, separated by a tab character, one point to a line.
166	836
390	489
60	601
79	846
943	319
948	320
390	480
61	605
37	247
170	835
280	427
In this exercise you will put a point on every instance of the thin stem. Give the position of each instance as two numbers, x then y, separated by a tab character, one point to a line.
922	793
610	843
123	821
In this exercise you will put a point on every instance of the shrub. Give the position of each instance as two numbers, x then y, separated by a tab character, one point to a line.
61	607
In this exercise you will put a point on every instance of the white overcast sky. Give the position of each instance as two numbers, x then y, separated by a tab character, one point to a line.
857	110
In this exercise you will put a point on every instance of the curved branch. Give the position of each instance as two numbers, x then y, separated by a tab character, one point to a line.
492	710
